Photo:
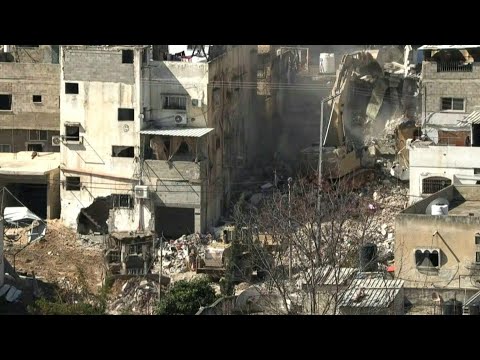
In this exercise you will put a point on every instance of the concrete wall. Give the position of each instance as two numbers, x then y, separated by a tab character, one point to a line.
234	146
98	64
105	84
141	216
53	194
457	163
179	184
449	84
161	78
19	140
22	81
47	54
455	237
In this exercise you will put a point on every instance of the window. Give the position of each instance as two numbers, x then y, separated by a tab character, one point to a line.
195	102
135	249
427	258
72	183
175	102
125	114
124	201
71	88
127	56
36	135
72	133
123	151
6	102
453	104
477	239
35	147
37	99
113	256
477	257
433	184
5	148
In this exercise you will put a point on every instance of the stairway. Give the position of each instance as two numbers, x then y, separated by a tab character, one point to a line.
466	310
92	220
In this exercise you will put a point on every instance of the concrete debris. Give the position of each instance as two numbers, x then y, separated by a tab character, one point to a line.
255	199
10	293
136	297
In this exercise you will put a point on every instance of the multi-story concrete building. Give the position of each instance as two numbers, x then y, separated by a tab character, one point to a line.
437	241
29	125
134	144
450	75
29	98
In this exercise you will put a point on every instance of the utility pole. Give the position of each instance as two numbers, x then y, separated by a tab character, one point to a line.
289	226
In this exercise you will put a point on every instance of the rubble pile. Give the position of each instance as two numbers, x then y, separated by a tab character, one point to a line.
179	256
136	296
57	257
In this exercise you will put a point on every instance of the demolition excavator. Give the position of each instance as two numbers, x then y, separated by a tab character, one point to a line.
361	99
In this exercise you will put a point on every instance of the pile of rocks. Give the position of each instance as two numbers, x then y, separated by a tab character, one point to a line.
137	296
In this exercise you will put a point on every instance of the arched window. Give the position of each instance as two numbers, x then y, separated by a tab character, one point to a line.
432	185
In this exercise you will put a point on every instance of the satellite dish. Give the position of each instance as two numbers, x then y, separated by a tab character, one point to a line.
439	201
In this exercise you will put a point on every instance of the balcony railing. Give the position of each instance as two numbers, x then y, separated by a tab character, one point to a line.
454	67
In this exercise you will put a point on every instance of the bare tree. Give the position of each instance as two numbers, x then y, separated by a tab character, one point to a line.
317	242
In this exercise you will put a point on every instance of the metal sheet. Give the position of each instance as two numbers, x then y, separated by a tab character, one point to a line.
378	293
192	132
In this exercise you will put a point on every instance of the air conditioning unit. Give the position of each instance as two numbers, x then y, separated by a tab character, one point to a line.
181	119
141	192
56	140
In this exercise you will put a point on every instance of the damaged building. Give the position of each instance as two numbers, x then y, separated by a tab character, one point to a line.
148	175
373	110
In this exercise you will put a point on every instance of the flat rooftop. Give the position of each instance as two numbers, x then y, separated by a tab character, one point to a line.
462	200
22	164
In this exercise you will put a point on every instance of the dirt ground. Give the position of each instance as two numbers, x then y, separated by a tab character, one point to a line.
58	257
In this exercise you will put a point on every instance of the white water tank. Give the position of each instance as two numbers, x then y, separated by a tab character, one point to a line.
327	63
439	209
7	48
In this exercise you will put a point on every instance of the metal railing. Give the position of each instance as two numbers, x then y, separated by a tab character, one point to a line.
454	67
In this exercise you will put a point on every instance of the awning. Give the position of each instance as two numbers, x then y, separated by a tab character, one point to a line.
446	47
472	118
191	132
21	216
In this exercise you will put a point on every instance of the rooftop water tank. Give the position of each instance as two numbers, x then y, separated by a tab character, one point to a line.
327	63
440	209
7	48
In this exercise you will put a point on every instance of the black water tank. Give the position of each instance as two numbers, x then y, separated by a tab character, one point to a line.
452	307
474	308
368	258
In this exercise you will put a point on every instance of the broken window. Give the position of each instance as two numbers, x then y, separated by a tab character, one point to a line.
71	88
37	99
5	148
126	114
72	133
123	151
453	104
72	183
127	56
36	135
427	258
113	256
124	201
175	102
35	147
135	249
433	184
5	102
